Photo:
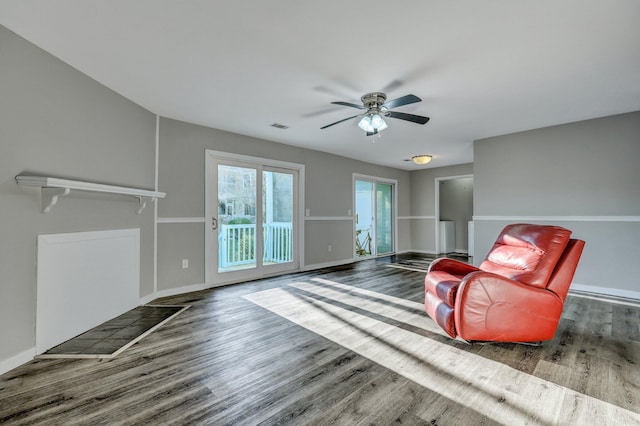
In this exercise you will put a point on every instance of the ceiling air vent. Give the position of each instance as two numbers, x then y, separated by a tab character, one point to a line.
279	126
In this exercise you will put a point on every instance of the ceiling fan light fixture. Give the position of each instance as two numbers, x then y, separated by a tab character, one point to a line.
365	124
372	123
377	122
383	126
421	160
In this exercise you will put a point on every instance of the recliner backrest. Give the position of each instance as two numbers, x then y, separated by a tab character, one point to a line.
563	273
527	253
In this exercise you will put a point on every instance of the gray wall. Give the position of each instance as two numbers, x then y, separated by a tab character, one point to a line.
456	204
583	176
423	203
56	121
328	193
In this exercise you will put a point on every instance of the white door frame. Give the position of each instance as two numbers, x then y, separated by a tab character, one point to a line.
437	206
227	156
374	179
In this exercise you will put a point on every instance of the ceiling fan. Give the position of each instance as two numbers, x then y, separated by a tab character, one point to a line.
376	107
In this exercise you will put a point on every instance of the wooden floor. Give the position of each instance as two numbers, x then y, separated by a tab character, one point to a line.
347	345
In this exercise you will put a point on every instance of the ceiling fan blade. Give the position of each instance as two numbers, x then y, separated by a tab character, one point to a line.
349	105
392	86
404	100
338	122
322	112
409	117
375	132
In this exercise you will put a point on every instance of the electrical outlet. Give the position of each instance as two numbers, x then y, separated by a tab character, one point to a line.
185	263
329	248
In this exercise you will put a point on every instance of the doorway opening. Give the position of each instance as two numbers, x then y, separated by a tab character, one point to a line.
454	215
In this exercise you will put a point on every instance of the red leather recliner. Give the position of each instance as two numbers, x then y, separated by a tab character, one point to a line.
516	295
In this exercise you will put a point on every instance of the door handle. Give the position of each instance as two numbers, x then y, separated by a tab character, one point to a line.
214	223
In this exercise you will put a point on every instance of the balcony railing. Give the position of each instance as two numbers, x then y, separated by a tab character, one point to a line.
236	244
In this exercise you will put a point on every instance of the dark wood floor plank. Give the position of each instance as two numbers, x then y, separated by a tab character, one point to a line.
230	360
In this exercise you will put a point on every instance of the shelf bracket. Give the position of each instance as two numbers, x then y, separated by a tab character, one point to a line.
142	203
49	197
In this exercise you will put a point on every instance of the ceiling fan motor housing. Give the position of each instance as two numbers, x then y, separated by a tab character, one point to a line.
374	100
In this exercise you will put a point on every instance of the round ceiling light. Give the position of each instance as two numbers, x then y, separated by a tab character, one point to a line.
421	159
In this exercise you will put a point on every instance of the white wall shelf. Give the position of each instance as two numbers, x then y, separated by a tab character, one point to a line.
51	189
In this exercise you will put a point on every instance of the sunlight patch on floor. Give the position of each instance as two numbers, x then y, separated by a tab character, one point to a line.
489	387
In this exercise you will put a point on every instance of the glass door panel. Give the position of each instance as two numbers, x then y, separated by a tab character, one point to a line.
384	218
364	218
236	221
277	217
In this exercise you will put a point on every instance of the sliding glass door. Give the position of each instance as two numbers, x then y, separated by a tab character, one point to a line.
253	220
374	217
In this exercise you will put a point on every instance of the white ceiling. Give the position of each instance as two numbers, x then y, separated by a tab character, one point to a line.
482	68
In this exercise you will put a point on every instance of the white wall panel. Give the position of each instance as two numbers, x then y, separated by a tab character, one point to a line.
84	279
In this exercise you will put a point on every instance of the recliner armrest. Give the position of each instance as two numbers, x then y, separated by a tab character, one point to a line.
491	307
452	266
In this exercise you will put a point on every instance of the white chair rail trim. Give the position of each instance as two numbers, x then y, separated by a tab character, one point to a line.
560	218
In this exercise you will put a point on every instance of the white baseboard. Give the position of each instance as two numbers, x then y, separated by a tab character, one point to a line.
173	292
148	298
17	360
420	251
326	265
605	291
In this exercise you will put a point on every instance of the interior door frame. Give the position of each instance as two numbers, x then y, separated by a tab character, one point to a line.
263	162
437	206
394	219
